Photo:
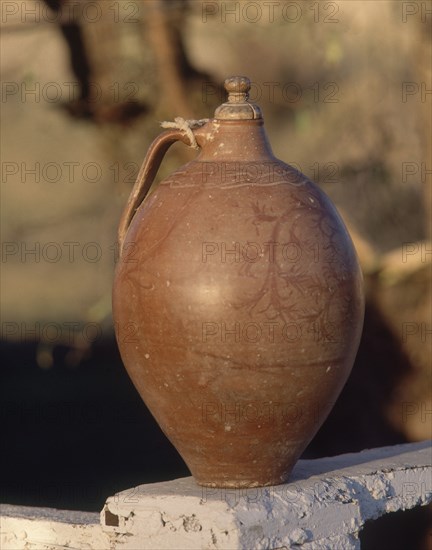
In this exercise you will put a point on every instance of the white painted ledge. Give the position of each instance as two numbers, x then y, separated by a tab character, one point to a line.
324	506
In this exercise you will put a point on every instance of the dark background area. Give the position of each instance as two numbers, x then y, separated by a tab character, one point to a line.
78	434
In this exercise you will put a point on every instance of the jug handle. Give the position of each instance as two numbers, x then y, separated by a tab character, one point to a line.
146	175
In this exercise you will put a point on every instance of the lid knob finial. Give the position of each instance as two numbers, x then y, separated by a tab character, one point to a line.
237	88
238	106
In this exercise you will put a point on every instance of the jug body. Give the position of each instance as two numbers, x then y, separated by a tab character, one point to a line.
242	296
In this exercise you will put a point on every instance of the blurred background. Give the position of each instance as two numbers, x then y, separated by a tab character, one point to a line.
345	88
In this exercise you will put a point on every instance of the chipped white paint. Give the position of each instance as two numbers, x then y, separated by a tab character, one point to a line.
48	529
325	505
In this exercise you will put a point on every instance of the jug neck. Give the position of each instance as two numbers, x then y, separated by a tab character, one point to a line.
234	141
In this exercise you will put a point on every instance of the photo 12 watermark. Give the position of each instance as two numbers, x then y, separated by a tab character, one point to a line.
52	332
417	251
266	173
66	332
271	332
270	12
71	11
280	92
415	91
53	252
67	92
235	413
419	331
416	11
268	252
422	411
70	413
68	171
413	172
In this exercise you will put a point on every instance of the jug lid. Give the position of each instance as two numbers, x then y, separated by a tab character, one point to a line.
238	106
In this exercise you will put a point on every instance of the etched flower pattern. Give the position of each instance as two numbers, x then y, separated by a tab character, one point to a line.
289	291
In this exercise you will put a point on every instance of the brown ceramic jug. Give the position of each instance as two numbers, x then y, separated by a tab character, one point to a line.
237	301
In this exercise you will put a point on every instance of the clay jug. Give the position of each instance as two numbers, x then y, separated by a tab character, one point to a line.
238	300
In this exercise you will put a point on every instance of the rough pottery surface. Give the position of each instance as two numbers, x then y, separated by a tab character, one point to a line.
237	300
